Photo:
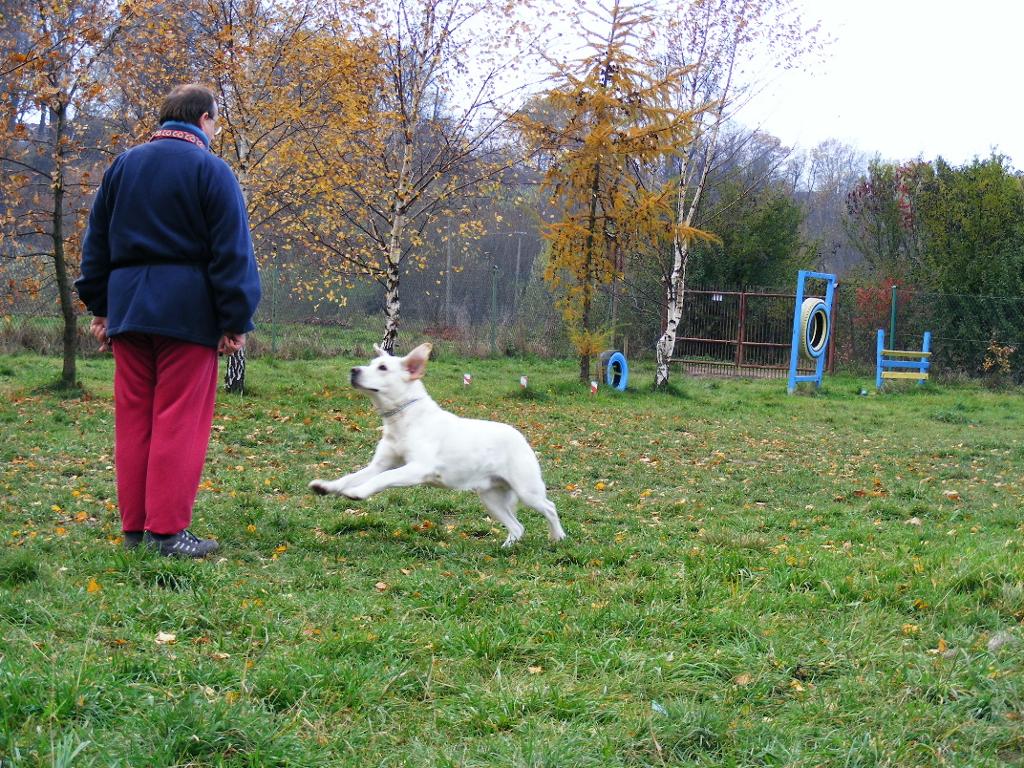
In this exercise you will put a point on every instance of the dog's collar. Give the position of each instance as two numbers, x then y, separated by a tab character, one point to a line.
399	409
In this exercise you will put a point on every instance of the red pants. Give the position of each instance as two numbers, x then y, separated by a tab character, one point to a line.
164	393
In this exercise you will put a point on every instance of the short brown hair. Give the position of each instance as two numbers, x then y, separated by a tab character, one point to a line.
188	103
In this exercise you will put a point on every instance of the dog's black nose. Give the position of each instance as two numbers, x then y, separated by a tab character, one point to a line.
354	375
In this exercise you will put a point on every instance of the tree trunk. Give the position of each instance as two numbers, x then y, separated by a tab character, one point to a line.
68	375
675	293
588	278
675	290
585	320
392	304
392	309
619	267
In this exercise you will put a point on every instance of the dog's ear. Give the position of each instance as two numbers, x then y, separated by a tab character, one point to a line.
378	350
416	361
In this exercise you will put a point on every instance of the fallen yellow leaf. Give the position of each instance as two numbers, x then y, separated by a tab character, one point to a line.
93	587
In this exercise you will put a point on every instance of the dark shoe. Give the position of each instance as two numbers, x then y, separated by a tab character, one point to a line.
132	539
181	544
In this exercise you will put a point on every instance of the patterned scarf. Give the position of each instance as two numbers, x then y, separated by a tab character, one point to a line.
173	133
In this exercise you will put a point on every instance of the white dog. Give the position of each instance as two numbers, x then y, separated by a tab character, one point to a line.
424	444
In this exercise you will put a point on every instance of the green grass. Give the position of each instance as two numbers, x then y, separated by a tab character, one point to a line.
750	579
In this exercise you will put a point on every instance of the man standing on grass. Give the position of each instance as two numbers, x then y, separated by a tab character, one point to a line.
169	275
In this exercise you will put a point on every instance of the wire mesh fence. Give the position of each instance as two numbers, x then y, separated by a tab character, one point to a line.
489	311
972	336
475	313
750	331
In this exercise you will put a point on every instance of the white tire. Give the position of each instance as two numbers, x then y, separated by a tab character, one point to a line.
814	328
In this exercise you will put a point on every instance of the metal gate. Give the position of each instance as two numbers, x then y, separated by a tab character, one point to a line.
740	333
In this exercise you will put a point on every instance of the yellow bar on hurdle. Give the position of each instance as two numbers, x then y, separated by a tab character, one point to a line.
903	375
904	353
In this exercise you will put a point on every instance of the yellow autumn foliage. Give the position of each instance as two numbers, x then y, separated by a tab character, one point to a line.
610	127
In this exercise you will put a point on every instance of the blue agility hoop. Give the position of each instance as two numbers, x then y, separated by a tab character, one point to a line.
616	372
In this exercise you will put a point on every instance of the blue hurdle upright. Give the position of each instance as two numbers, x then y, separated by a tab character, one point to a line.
902	363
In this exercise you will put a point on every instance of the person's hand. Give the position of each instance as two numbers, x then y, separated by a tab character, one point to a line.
98	328
230	343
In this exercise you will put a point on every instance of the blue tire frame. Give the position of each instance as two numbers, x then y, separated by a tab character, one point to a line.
616	372
794	354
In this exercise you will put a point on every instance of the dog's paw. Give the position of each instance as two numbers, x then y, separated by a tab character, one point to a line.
355	494
557	537
319	487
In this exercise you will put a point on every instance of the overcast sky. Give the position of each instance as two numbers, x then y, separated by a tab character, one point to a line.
907	78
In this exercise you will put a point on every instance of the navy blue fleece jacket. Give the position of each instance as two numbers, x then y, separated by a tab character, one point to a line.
168	250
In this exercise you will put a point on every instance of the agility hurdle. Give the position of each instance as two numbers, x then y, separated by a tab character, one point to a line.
909	364
812	328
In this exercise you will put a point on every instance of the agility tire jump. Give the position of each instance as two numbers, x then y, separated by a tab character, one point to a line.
616	371
811	328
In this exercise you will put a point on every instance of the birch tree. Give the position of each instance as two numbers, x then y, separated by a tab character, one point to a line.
717	39
432	142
